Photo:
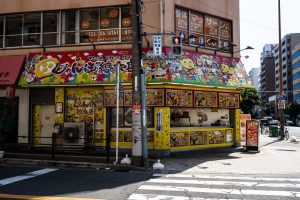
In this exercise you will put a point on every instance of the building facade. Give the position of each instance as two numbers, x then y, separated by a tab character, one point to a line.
72	50
254	75
288	42
296	73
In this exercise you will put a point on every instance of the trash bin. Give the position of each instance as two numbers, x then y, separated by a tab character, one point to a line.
273	130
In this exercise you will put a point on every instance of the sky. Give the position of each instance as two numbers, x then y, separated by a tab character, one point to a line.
259	26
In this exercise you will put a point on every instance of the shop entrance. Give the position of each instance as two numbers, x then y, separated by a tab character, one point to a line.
9	119
47	123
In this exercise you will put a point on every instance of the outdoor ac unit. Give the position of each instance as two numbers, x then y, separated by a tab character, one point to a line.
74	134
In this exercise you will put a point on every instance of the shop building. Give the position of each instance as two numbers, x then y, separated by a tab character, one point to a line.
72	50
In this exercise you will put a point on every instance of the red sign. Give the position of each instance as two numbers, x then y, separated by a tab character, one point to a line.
252	130
136	108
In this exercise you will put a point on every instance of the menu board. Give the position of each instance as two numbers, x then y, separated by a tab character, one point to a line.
243	119
196	27
252	128
155	97
225	30
205	99
183	98
211	26
181	21
110	98
229	100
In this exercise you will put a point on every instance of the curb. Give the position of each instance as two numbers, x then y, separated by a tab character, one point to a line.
71	164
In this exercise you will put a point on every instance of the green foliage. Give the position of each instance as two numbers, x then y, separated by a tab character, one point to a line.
249	99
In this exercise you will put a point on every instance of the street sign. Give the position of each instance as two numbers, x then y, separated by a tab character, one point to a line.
281	104
157	50
136	108
283	97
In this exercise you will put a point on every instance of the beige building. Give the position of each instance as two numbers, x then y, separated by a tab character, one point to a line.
72	47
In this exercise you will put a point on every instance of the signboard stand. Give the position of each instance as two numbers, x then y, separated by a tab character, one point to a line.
252	135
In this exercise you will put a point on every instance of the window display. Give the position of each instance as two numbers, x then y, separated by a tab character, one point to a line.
179	139
216	137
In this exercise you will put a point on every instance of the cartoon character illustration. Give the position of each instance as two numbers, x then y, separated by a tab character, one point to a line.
44	68
189	68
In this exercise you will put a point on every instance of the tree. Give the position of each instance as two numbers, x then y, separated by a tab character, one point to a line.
249	99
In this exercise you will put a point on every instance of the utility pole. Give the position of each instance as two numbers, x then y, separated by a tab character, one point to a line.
137	158
281	108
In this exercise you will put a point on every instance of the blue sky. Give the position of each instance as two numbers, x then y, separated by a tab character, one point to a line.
259	25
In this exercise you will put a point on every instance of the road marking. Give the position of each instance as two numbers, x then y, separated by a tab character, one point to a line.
166	197
228	183
221	191
13	196
226	177
26	176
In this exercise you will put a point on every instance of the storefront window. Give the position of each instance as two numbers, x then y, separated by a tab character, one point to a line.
125	117
126	24
50	28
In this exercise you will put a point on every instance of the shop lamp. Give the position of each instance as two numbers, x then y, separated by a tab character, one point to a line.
225	48
86	37
247	48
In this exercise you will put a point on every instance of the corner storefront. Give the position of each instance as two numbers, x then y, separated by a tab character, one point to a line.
192	101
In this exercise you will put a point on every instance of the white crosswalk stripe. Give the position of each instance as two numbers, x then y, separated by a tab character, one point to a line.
209	187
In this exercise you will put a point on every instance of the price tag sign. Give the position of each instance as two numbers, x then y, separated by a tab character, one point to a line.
157	50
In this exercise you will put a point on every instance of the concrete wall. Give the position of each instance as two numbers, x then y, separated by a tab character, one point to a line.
156	15
23	119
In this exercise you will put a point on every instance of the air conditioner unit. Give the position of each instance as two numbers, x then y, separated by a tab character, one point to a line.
74	134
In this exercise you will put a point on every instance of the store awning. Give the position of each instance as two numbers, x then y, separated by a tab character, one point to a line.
10	69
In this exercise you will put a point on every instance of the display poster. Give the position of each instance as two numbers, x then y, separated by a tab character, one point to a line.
183	98
243	119
229	100
155	97
206	99
179	139
110	98
216	137
252	131
127	97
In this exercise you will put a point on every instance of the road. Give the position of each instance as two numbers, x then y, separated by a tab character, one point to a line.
272	173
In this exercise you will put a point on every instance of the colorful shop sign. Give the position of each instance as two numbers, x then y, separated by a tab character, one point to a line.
99	67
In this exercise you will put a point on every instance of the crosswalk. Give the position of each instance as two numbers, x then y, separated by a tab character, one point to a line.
208	187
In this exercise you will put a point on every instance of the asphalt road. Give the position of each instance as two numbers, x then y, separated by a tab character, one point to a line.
69	183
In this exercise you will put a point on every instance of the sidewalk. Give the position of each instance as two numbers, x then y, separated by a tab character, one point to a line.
275	157
278	157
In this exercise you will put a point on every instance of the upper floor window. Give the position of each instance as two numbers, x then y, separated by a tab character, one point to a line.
206	30
107	24
1	31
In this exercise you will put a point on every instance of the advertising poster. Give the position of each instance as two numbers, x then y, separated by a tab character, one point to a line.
243	119
252	130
